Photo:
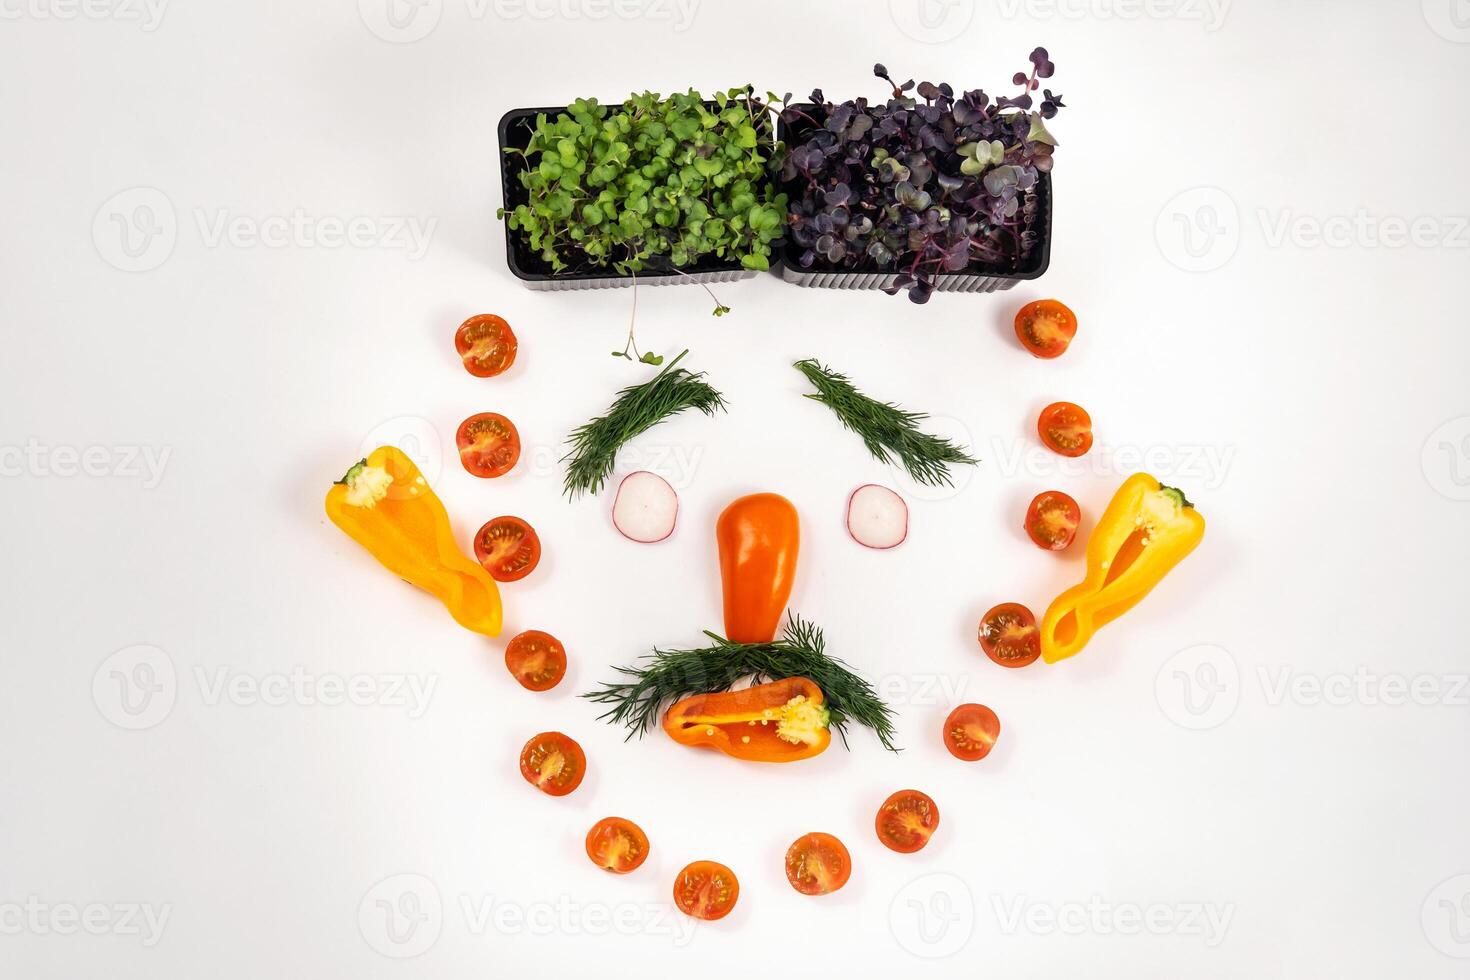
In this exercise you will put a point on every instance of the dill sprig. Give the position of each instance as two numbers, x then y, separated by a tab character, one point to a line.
669	675
635	410
887	430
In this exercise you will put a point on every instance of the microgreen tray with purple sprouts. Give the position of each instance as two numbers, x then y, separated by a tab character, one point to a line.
928	189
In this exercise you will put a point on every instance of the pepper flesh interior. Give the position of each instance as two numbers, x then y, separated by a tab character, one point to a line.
799	721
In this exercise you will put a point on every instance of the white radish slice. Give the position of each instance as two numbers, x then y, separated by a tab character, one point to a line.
646	507
877	517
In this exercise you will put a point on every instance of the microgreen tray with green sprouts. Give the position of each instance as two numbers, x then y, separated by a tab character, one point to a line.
931	190
655	190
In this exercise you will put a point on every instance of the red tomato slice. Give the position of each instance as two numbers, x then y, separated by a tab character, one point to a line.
508	547
706	890
486	344
906	821
617	845
1009	636
1065	428
1045	327
817	864
536	659
553	763
1052	519
970	731
489	444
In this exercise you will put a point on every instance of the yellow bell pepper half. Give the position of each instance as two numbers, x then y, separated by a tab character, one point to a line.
1146	530
385	504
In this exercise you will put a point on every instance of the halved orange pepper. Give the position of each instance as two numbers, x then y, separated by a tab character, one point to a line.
1146	530
782	721
759	538
385	504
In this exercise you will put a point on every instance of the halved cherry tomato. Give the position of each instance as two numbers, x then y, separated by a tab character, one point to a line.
536	659
1052	519
489	444
706	890
486	344
906	821
1065	429
508	547
617	845
1009	636
970	731
1045	327
553	763
817	864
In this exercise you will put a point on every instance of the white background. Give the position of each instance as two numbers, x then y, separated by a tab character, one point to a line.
1310	397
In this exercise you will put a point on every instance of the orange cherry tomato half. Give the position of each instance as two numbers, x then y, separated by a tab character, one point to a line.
970	731
1065	429
489	444
706	890
817	864
1045	327
1009	636
553	763
906	821
508	547
536	659
1052	519
617	845
486	344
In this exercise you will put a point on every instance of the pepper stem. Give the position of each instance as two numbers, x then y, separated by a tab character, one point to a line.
1177	494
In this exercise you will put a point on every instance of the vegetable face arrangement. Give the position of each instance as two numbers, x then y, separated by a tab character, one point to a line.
932	187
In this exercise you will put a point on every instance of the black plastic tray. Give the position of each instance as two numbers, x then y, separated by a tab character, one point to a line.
979	278
528	266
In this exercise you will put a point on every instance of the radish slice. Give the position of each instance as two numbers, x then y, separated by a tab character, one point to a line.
646	507
877	517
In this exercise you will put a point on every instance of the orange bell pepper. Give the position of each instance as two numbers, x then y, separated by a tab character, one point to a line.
759	537
782	721
1146	530
385	504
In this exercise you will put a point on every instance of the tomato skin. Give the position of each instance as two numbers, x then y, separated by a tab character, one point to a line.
1052	519
1065	429
489	444
706	890
1009	636
617	845
906	821
486	344
970	732
818	864
1046	328
536	659
508	548
553	763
